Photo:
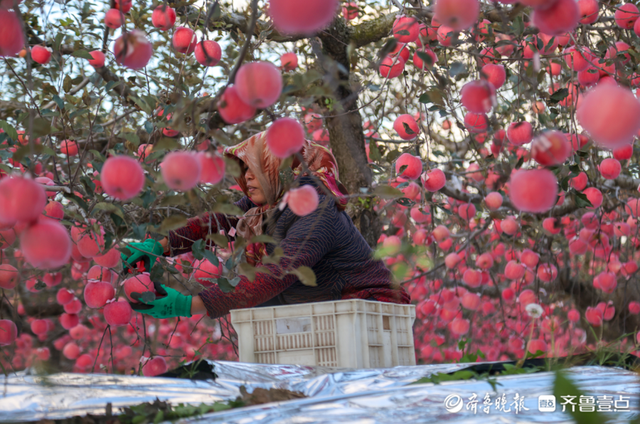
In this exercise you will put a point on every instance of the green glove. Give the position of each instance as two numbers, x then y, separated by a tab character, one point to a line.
169	303
146	251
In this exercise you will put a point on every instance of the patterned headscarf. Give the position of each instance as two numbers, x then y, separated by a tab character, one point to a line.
256	155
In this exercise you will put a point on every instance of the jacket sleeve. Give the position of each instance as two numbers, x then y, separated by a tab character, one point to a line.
307	241
199	227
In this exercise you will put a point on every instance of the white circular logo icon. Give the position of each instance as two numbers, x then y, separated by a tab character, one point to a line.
453	403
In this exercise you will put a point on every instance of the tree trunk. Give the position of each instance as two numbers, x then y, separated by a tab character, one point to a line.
344	123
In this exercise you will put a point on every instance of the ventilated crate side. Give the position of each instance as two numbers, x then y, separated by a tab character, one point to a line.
351	333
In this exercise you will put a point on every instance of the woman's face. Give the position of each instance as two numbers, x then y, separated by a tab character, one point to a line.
255	189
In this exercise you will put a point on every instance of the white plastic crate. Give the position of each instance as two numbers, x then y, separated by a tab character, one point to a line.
345	333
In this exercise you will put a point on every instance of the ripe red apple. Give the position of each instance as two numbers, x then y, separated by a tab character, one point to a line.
12	36
495	74
459	326
433	180
163	17
118	313
457	14
184	40
594	316
259	84
69	321
96	293
157	365
626	15
122	177
467	211
114	18
205	269
478	96
69	148
578	60
412	166
493	200
611	115
8	276
181	170
46	244
594	195
22	199
550	148
588	11
520	133
133	50
7	237
306	18
406	127
610	168
547	272
302	201
123	5
232	108
562	16
41	55
406	29
208	53
391	66
71	351
98	59
476	123
213	168
420	63
138	284
533	190
285	137
8	332
288	62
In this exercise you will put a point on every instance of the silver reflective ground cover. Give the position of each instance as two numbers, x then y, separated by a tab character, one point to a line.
335	395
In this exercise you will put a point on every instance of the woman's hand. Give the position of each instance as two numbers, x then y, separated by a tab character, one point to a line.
168	303
147	251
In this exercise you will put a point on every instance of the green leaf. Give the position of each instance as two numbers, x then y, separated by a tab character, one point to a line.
306	276
248	271
156	273
58	101
219	240
77	200
558	96
41	127
83	54
427	59
228	209
457	68
405	202
198	249
208	254
408	129
224	284
143	105
518	25
582	201
38	149
387	192
109	207
132	138
564	389
7	128
173	223
166	143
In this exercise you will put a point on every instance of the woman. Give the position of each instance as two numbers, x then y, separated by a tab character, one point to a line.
325	240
